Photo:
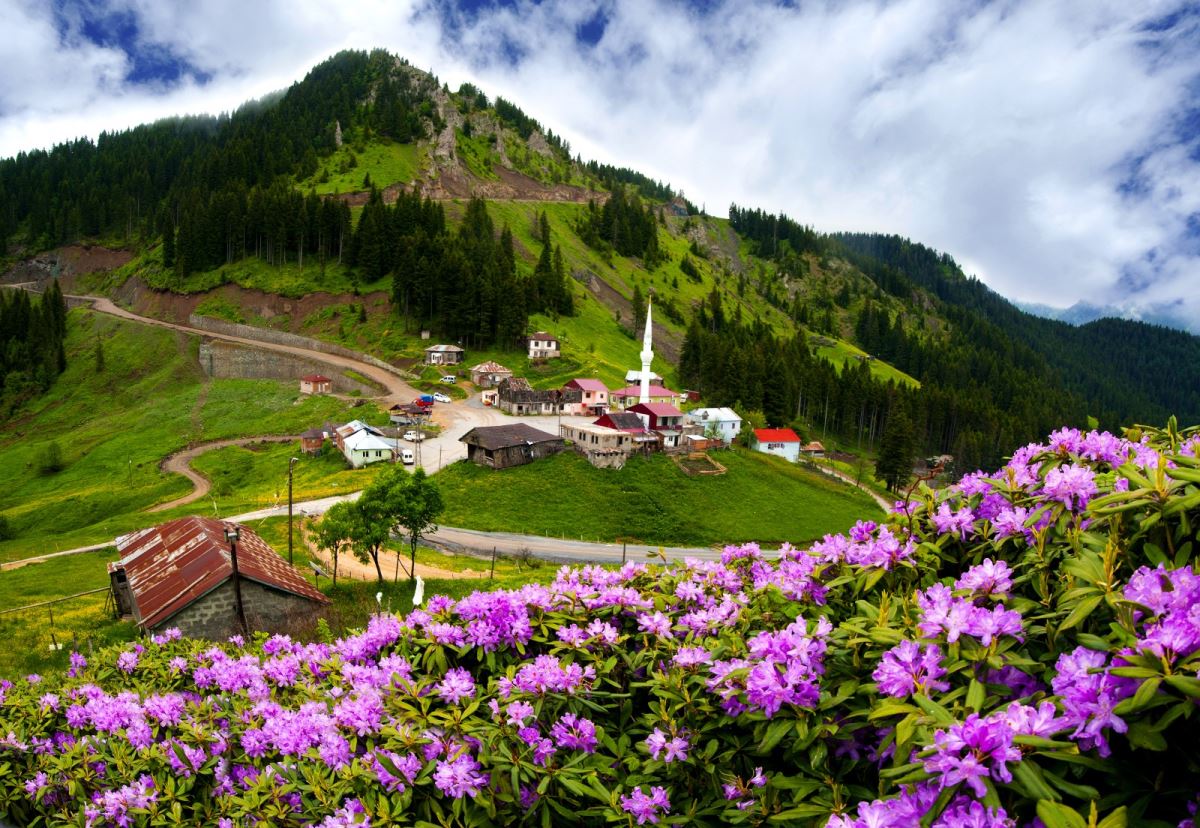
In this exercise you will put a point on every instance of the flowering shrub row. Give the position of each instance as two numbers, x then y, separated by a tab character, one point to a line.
1019	649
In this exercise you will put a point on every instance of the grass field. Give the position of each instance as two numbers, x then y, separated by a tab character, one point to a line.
114	427
651	500
386	162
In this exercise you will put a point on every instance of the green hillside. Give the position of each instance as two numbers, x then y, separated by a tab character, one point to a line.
651	500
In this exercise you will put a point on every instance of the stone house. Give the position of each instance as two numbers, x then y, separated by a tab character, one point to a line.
604	448
501	447
180	574
516	396
489	374
312	440
444	355
316	384
543	346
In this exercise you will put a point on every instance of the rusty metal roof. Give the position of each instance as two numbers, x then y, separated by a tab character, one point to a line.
171	565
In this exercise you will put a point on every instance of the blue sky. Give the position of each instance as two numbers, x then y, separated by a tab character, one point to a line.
1052	148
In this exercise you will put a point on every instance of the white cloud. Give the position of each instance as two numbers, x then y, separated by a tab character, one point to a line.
1000	132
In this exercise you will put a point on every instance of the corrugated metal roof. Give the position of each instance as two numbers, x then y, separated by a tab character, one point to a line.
444	349
490	367
498	437
171	565
657	409
587	384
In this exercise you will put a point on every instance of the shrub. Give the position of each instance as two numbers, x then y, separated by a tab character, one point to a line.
50	458
1019	646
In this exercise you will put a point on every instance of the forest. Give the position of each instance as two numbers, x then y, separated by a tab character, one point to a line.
32	355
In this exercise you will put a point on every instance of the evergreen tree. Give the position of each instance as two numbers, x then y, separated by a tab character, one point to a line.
894	465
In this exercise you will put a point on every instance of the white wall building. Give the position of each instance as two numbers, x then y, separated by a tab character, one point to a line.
724	423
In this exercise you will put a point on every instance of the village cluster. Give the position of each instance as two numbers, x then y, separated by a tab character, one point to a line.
643	417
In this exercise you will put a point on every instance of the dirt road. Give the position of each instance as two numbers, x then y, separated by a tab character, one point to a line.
181	463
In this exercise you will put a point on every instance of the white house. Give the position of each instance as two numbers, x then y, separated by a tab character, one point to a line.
543	346
723	423
780	441
363	448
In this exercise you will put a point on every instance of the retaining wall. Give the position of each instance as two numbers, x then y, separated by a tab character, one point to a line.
222	360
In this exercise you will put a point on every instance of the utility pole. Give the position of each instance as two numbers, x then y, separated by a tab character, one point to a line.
233	534
291	465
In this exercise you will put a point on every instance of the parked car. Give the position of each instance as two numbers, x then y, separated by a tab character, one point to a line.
449	379
407	457
440	397
413	436
424	401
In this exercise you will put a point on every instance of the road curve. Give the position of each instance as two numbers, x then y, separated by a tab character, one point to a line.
181	463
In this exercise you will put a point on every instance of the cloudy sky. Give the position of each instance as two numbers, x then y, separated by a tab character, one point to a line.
1053	148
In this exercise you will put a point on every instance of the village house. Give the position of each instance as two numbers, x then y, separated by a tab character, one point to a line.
622	421
501	447
664	420
604	448
362	444
631	395
444	355
316	384
721	423
812	450
180	574
543	346
779	441
516	396
404	414
312	440
489	374
594	396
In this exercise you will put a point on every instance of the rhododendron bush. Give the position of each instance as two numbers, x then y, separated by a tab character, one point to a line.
1018	649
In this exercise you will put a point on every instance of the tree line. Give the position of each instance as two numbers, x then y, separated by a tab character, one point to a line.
32	344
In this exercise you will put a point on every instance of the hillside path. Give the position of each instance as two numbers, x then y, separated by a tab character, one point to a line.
884	503
181	463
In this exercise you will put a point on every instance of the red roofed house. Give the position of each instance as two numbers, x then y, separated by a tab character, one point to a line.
595	396
632	394
781	441
663	419
179	574
316	384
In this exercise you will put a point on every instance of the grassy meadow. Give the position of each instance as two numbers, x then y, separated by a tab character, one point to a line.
650	500
114	425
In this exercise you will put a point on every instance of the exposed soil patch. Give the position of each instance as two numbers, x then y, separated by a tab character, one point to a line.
68	263
451	181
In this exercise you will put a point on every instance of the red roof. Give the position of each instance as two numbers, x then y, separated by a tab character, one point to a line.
316	378
775	435
586	385
657	409
636	390
172	565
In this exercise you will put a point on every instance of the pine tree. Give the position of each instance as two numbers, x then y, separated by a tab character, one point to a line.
894	465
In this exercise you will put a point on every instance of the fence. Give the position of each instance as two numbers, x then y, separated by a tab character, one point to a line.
38	637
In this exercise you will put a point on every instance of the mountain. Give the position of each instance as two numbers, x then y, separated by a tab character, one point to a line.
463	215
1166	314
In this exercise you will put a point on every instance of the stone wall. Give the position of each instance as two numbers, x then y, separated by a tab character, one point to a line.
207	323
213	616
228	359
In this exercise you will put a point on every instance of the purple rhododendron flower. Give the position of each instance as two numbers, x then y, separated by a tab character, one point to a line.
987	579
460	776
971	751
646	809
668	749
456	685
575	733
906	669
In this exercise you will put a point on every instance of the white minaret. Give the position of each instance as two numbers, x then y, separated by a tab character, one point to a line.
647	356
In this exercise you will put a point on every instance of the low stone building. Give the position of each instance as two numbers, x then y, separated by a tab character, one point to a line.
501	447
180	574
444	355
316	384
604	448
312	440
516	396
489	374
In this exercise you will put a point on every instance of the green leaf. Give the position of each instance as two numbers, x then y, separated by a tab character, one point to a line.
940	714
1029	775
1142	735
1057	815
1117	819
1186	685
1081	611
799	812
975	696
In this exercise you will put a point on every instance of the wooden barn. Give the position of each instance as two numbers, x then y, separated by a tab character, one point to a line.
180	574
501	447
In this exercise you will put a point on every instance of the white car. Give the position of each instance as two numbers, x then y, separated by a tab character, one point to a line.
440	397
407	457
449	379
413	436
